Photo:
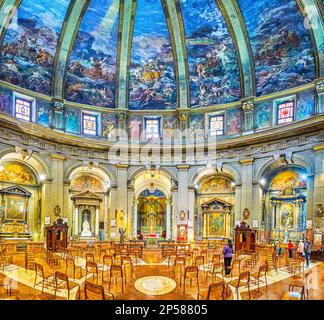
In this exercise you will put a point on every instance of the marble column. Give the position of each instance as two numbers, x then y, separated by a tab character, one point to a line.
76	222
106	218
57	194
318	194
168	219
191	208
45	207
247	187
97	222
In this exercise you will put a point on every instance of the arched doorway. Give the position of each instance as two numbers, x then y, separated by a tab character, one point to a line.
151	214
152	203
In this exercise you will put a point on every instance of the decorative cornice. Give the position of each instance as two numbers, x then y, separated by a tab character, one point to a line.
122	166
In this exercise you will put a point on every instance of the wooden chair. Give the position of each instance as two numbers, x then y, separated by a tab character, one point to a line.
190	273
214	269
127	261
251	261
4	260
257	277
179	262
242	281
272	263
171	258
116	272
71	261
107	261
103	253
29	260
62	282
216	258
216	291
96	292
236	264
39	273
90	257
92	268
301	282
53	259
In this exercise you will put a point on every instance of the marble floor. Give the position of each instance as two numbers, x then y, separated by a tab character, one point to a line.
163	286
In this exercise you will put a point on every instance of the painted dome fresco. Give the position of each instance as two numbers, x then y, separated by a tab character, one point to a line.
158	54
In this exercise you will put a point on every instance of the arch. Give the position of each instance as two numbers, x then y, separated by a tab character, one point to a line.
34	163
298	161
164	171
101	172
227	170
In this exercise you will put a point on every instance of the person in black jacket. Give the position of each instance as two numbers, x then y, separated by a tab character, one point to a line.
308	251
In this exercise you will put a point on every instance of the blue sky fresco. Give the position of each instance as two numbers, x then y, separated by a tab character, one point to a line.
91	73
30	44
213	65
152	83
281	45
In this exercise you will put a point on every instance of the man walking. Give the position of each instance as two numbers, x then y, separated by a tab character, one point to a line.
308	251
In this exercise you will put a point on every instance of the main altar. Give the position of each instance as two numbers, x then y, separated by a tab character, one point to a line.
14	213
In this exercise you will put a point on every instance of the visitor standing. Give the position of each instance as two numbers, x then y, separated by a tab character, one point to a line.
280	248
290	249
300	248
308	251
228	254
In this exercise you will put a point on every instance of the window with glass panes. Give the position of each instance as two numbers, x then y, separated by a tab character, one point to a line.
89	124
216	125
23	109
152	128
286	112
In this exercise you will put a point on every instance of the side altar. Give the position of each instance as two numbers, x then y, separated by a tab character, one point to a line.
14	213
288	216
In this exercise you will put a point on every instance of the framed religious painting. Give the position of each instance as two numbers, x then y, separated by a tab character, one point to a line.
182	233
15	208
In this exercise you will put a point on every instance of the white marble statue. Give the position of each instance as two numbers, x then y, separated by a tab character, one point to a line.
86	232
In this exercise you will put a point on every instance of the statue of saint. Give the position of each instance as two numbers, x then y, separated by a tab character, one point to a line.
86	232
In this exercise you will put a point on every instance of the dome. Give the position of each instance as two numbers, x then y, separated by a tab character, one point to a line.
164	56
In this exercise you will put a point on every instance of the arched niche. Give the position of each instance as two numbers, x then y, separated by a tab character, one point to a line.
19	186
214	204
285	191
150	183
89	193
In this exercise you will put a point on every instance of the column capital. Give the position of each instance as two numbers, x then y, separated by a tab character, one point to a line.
122	166
183	167
318	148
319	85
246	162
58	156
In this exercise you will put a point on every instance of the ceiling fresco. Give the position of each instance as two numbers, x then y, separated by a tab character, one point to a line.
91	74
213	66
29	47
181	54
282	47
152	82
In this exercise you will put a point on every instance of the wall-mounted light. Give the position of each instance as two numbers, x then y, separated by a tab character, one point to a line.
304	177
233	184
42	177
263	182
1	168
